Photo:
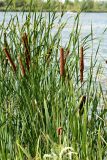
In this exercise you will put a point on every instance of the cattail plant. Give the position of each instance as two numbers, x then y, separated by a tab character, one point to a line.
27	50
66	55
9	59
5	42
62	62
21	66
81	63
59	133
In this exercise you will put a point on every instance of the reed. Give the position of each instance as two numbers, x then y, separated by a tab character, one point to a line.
21	66
9	59
81	105
5	42
32	108
62	62
48	55
59	131
81	64
27	50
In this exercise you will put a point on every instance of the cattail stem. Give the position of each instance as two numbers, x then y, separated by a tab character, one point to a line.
81	64
10	59
27	50
21	66
62	62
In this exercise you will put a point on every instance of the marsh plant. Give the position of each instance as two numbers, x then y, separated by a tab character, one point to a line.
51	106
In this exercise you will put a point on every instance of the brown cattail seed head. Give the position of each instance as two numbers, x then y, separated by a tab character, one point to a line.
10	59
21	66
59	131
62	62
81	63
27	49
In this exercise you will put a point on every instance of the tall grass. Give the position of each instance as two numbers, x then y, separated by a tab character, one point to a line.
42	113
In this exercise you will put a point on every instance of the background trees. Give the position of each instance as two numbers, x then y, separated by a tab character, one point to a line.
76	5
87	5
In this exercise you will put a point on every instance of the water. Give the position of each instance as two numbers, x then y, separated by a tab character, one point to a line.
98	21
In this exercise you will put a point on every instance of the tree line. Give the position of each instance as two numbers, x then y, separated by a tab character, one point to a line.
54	5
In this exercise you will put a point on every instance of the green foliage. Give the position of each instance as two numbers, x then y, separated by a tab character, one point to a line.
87	5
54	5
34	106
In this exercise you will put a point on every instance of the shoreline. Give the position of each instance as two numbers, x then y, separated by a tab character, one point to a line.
3	10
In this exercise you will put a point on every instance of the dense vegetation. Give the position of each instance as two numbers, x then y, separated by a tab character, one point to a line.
55	5
51	105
